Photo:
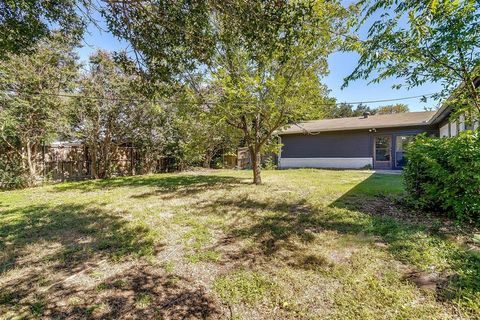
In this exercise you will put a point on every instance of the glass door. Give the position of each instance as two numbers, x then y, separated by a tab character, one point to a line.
400	143
383	152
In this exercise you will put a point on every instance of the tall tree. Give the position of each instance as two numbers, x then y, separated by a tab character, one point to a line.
31	112
424	41
107	112
393	108
24	22
264	59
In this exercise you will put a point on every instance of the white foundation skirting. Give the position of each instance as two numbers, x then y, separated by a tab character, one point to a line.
343	163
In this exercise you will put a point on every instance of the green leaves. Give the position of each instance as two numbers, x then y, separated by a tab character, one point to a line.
30	111
445	174
23	23
422	41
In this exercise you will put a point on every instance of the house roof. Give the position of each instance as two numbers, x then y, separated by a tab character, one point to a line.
446	108
375	121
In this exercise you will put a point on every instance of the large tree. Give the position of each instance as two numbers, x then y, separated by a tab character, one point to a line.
424	41
110	112
263	59
31	112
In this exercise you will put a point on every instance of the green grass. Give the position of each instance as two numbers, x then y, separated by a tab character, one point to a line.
244	287
308	244
203	256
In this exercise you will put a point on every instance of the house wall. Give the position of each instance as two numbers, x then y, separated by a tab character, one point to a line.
337	144
444	129
452	127
338	149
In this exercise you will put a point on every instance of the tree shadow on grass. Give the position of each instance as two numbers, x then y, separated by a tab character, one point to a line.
142	292
282	226
420	238
187	186
164	184
49	254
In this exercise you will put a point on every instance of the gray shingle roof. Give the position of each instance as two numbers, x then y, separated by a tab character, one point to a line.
375	121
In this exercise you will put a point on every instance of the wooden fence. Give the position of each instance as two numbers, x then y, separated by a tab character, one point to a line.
60	163
244	160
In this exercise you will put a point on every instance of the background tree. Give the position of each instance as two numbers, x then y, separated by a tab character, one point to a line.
424	41
264	59
108	112
149	126
394	108
346	110
202	136
24	22
31	113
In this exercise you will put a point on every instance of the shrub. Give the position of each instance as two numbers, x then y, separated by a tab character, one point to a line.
12	174
444	174
269	164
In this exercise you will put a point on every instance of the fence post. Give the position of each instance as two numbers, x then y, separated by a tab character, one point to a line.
131	162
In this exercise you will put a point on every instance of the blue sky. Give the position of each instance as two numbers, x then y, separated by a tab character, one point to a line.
341	64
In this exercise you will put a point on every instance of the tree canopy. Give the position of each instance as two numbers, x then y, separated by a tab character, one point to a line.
31	110
423	41
345	110
263	60
24	22
393	108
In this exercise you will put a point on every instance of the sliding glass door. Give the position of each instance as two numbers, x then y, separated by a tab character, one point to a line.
400	144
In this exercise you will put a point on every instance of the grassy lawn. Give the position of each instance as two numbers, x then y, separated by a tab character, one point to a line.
308	244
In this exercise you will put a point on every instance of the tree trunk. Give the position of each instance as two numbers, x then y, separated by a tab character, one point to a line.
94	162
32	170
106	156
256	165
208	159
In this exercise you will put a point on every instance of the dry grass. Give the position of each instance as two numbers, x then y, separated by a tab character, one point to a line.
309	244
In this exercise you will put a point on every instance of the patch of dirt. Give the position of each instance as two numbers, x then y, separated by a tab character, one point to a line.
424	280
141	292
396	208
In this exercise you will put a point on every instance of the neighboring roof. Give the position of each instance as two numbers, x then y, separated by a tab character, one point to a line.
371	122
58	143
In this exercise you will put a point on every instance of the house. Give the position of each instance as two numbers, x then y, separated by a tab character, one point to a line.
373	141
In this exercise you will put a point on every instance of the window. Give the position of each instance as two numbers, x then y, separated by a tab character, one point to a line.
400	143
382	148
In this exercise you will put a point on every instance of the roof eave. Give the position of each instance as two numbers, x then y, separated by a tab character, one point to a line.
354	128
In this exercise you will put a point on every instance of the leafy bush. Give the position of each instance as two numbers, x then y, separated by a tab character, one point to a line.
12	174
444	174
269	164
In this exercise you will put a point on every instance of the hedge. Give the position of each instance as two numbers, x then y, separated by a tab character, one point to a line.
444	174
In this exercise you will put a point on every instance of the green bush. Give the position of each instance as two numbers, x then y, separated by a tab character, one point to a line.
12	175
444	174
269	164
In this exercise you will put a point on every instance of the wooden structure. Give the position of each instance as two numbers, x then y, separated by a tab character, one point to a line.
72	161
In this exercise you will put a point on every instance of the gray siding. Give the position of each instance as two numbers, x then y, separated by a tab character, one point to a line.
342	144
339	144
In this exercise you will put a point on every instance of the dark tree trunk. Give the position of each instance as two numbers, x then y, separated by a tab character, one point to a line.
208	158
94	160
